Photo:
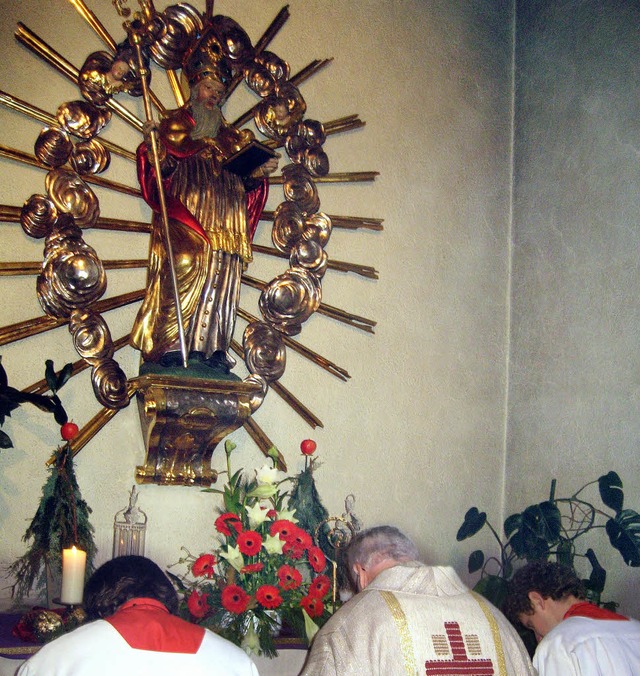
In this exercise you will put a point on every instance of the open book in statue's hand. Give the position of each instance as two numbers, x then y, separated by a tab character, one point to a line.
248	158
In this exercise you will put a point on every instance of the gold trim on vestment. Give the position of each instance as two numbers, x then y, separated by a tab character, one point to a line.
403	628
495	631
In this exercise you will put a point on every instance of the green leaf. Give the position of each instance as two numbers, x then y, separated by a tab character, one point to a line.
512	523
624	534
50	375
610	486
5	440
493	588
473	522
476	561
4	381
598	576
64	375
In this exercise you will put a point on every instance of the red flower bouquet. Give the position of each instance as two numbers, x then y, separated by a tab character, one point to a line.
265	572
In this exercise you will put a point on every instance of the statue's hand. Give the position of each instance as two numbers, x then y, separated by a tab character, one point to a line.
267	168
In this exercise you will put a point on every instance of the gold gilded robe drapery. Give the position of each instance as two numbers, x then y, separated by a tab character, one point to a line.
208	270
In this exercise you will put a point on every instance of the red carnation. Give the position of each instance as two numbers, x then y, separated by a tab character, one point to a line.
197	604
227	519
313	605
204	565
249	542
235	599
317	559
268	596
289	577
283	527
271	514
252	568
320	586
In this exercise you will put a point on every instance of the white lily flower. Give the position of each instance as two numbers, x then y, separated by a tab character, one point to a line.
273	544
234	556
287	515
257	514
267	475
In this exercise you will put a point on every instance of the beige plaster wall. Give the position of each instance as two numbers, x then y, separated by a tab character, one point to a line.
573	396
417	434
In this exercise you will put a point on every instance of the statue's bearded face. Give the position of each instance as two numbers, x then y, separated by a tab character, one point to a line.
205	97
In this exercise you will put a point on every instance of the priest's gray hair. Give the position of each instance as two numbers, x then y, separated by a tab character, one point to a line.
380	543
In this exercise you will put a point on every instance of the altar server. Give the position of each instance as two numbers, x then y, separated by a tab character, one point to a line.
137	632
576	638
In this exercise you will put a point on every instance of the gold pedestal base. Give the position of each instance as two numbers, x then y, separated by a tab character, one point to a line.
183	420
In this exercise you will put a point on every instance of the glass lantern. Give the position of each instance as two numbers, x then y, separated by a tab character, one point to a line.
129	528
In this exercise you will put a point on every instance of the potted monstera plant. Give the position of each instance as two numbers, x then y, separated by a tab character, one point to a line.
551	530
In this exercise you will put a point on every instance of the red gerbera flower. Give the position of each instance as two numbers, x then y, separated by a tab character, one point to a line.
317	559
268	596
292	550
283	527
320	586
252	568
204	565
313	605
301	539
197	604
249	542
227	519
289	577
235	599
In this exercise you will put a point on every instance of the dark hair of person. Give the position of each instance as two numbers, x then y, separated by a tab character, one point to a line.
551	580
125	578
380	543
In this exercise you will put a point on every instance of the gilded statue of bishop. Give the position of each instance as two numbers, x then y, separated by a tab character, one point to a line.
213	214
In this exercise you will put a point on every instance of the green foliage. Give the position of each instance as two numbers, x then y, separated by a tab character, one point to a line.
61	520
11	398
549	530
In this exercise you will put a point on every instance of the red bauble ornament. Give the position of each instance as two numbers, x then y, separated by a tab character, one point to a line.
308	446
68	431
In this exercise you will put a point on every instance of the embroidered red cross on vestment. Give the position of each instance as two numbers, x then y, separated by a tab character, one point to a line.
459	664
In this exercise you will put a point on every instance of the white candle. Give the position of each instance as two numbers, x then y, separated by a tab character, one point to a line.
74	562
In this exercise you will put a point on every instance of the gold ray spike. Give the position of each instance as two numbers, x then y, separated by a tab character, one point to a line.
341	266
296	80
93	21
308	71
29	110
174	83
273	29
357	322
40	48
345	177
32	327
10	214
31	160
260	46
343	124
89	431
311	419
263	442
41	386
347	222
301	349
31	268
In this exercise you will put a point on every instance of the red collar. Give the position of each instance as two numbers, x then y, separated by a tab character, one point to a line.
146	624
586	609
